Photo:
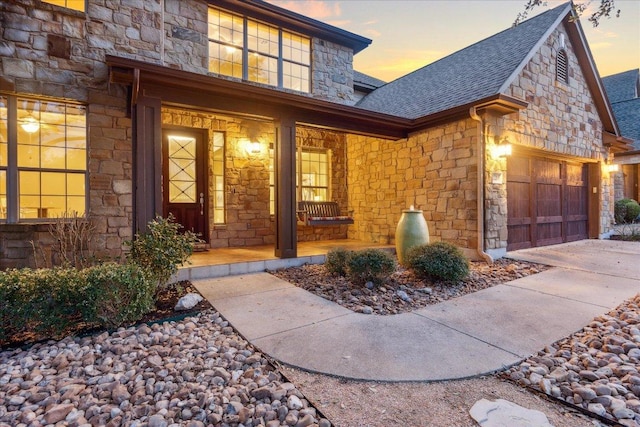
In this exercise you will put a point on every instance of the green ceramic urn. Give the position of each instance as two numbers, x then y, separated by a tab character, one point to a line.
411	231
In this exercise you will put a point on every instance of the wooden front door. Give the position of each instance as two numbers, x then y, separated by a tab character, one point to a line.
547	201
184	178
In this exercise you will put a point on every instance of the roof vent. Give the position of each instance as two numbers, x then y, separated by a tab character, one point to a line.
562	71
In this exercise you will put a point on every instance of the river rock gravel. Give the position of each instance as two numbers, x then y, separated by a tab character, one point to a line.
402	291
194	372
597	368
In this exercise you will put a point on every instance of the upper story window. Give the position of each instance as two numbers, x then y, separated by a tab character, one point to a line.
562	67
79	5
43	159
250	50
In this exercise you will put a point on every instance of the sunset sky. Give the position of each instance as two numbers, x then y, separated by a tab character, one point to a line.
410	34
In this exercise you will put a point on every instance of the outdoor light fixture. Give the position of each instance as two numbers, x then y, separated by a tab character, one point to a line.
30	124
612	167
253	148
503	150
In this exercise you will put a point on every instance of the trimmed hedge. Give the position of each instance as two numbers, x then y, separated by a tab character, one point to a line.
369	265
49	302
336	262
626	211
439	260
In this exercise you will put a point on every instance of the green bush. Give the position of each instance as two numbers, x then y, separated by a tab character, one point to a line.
42	301
439	260
162	249
117	294
50	302
626	211
336	262
369	265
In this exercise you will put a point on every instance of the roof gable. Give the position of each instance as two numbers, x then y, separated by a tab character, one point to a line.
473	73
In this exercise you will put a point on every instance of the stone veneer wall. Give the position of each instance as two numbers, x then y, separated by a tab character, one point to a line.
561	118
332	72
435	171
46	50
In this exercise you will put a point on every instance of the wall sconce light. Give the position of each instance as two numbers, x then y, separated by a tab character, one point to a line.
253	148
30	124
613	167
501	150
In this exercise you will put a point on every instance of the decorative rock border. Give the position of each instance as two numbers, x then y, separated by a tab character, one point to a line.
597	368
190	373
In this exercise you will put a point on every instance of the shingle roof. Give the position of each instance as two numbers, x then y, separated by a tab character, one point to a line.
622	86
366	81
473	73
627	114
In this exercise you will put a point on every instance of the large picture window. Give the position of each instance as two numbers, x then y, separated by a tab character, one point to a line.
43	159
254	51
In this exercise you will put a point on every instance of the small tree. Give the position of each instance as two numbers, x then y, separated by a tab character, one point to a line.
162	249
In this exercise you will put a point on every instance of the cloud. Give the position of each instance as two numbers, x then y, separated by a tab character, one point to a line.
315	9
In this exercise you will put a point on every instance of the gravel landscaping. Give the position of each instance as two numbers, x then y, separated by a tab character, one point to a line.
194	372
597	368
402	291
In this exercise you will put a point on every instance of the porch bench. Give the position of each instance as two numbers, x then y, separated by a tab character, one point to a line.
321	214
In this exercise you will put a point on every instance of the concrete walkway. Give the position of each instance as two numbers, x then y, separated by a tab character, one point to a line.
475	334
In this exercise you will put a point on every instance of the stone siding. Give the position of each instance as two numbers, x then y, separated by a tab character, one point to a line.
561	117
332	67
435	170
50	51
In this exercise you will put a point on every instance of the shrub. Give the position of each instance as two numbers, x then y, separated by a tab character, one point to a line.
626	211
49	302
439	260
336	262
162	249
117	294
369	265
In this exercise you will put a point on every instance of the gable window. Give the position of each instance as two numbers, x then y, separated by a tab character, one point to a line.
313	175
78	5
562	67
43	159
254	51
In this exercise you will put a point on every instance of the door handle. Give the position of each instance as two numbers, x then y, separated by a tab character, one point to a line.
201	203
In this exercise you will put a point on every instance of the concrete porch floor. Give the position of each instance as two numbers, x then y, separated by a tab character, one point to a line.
222	262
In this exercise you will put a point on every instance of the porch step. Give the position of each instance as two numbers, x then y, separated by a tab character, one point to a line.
234	269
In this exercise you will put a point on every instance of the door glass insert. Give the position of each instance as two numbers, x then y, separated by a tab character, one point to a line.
182	169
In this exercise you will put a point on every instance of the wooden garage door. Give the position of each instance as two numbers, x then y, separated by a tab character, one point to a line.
547	201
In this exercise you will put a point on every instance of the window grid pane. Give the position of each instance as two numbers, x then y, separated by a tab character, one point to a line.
227	49
78	5
3	133
226	33
217	162
51	159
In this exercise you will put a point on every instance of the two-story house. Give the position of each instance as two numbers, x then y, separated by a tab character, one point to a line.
227	113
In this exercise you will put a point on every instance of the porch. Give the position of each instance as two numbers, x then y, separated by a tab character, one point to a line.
222	262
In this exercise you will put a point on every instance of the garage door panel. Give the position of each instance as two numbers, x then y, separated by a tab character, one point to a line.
550	205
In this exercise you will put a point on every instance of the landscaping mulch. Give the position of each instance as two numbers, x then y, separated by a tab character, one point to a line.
402	291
